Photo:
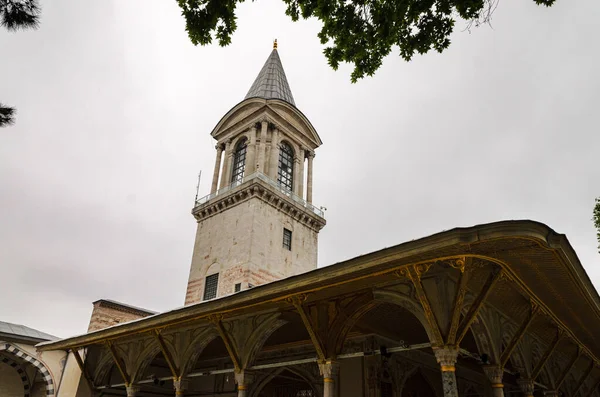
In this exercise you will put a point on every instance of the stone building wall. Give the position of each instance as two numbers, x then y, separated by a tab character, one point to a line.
244	244
108	313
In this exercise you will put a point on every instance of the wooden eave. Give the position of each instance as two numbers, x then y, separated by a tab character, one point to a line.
538	260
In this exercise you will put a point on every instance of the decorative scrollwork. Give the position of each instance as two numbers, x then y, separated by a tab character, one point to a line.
421	269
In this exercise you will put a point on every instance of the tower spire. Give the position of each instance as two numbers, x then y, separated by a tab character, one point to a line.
271	82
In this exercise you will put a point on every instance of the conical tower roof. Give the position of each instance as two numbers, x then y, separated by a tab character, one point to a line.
271	82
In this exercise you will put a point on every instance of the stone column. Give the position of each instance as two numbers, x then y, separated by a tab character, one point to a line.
243	379
274	160
132	390
225	177
180	386
329	370
215	180
261	147
494	374
299	173
446	356
309	177
527	386
251	160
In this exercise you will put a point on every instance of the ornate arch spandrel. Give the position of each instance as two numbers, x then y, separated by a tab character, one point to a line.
137	355
186	346
249	334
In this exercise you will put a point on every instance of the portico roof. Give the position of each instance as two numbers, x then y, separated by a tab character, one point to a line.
540	266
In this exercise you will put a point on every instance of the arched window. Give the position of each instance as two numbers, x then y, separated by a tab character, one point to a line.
239	161
285	173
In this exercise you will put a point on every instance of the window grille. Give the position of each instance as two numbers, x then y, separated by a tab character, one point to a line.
287	239
210	286
239	161
238	287
285	173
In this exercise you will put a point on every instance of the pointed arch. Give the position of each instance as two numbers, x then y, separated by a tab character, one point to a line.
143	360
311	380
46	375
189	356
21	372
407	303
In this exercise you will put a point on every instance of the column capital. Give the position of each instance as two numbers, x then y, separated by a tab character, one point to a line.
310	154
446	356
527	386
219	147
329	369
180	386
243	378
132	390
494	374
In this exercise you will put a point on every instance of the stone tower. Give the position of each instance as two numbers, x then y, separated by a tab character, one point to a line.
258	223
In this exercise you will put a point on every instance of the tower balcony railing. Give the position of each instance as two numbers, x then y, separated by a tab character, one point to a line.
276	185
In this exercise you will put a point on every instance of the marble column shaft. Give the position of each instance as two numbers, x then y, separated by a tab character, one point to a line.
274	160
262	146
299	171
225	174
309	178
251	160
330	371
215	180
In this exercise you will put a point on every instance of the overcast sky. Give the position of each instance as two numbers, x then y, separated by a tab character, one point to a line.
115	108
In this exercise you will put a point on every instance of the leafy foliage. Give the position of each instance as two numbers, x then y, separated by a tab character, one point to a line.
19	14
15	15
597	220
361	32
7	115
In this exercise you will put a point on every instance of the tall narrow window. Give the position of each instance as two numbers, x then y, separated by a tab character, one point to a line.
285	173
210	286
239	161
287	239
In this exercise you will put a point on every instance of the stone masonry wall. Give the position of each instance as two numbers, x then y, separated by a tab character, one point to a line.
105	315
244	244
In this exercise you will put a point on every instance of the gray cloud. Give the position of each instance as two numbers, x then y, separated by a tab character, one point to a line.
98	176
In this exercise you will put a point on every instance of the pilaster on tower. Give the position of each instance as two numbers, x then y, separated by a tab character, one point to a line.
258	224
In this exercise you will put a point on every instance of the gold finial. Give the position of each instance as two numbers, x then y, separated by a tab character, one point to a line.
275	44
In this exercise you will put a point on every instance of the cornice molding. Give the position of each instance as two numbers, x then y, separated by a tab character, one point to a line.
256	188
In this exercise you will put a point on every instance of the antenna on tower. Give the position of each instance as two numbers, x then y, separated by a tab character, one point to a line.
198	187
